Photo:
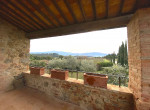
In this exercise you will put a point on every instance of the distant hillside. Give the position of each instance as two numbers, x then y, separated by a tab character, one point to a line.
90	54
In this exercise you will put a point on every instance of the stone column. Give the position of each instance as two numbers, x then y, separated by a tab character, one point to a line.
14	54
139	58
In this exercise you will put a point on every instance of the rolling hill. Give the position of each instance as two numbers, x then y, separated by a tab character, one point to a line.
90	54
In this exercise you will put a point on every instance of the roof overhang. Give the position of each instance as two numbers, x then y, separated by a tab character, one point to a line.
82	27
48	18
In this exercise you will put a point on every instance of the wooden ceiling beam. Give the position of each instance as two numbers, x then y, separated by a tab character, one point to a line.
60	11
121	7
83	27
82	10
13	21
32	13
50	12
23	12
107	6
41	13
135	5
70	10
140	4
94	8
143	4
14	12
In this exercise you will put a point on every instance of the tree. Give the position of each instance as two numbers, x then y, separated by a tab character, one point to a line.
61	56
119	55
111	57
123	54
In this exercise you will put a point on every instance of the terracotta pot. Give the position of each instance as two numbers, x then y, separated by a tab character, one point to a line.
59	74
37	70
96	80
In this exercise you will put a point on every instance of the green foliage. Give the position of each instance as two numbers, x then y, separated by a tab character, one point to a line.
45	56
56	63
73	63
88	66
61	56
64	63
118	61
34	57
105	63
37	64
117	70
123	54
111	57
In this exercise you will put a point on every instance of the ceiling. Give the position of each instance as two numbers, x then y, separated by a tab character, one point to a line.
40	15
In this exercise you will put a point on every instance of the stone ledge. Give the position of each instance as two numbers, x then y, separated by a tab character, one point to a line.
80	81
75	92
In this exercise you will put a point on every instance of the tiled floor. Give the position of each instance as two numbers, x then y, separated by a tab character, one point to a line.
30	99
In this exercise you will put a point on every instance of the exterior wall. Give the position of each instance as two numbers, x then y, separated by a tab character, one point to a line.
14	54
88	97
139	58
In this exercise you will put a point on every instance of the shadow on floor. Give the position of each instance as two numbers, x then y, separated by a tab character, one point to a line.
30	99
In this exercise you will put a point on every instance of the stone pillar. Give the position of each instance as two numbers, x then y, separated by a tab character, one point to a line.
14	54
139	58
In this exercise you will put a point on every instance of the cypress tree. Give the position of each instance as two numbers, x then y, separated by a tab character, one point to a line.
125	54
122	54
114	56
118	61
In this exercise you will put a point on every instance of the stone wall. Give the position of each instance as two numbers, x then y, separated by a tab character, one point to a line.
14	54
88	97
139	58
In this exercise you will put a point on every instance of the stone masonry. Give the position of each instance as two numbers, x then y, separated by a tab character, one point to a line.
14	54
139	58
87	97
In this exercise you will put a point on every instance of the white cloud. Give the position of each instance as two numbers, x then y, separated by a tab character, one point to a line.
105	41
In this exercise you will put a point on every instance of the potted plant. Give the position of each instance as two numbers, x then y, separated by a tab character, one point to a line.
37	68
96	80
59	74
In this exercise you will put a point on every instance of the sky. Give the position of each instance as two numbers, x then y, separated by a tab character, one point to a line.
104	41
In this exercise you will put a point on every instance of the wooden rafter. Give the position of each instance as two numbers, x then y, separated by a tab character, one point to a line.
60	11
83	27
107	6
94	8
70	10
59	17
23	12
41	13
50	12
15	21
82	10
14	12
27	8
121	7
135	5
143	4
